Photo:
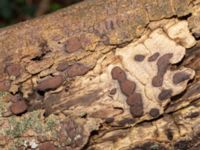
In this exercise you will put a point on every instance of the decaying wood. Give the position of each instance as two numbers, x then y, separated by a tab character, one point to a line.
103	74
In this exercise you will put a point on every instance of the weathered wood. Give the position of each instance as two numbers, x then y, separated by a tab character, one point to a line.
103	74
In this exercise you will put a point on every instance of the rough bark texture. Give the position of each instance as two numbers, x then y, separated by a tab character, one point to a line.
103	74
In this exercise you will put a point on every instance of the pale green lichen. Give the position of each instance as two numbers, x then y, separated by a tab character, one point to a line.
16	143
154	147
3	104
33	121
16	126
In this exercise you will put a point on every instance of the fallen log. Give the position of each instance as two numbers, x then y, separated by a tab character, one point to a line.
103	75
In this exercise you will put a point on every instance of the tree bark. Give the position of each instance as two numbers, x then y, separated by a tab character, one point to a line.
103	74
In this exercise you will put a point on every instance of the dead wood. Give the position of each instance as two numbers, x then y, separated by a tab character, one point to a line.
103	74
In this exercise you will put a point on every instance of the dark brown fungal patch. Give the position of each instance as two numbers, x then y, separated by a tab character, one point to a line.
154	57
73	45
193	115
109	120
47	146
5	85
136	104
49	102
127	87
157	81
113	91
77	69
154	112
162	66
182	145
133	99
50	83
139	57
62	66
126	121
149	146
85	41
165	94
169	134
115	136
99	29
19	107
13	70
180	77
188	143
105	39
15	98
110	24
118	74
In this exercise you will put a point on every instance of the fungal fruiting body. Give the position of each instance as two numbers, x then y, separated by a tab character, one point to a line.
144	75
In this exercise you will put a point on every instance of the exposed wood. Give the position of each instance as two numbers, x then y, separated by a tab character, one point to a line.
103	74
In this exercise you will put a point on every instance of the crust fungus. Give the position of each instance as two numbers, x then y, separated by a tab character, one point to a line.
77	69
136	78
47	146
134	100
154	56
5	85
73	45
13	70
50	83
118	74
19	107
145	77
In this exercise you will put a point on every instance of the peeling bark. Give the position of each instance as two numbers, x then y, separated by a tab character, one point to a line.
98	75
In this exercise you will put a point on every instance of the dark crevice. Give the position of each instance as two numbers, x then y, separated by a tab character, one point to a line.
41	93
38	58
151	120
44	50
149	145
88	144
179	96
180	64
185	17
193	50
196	36
124	44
